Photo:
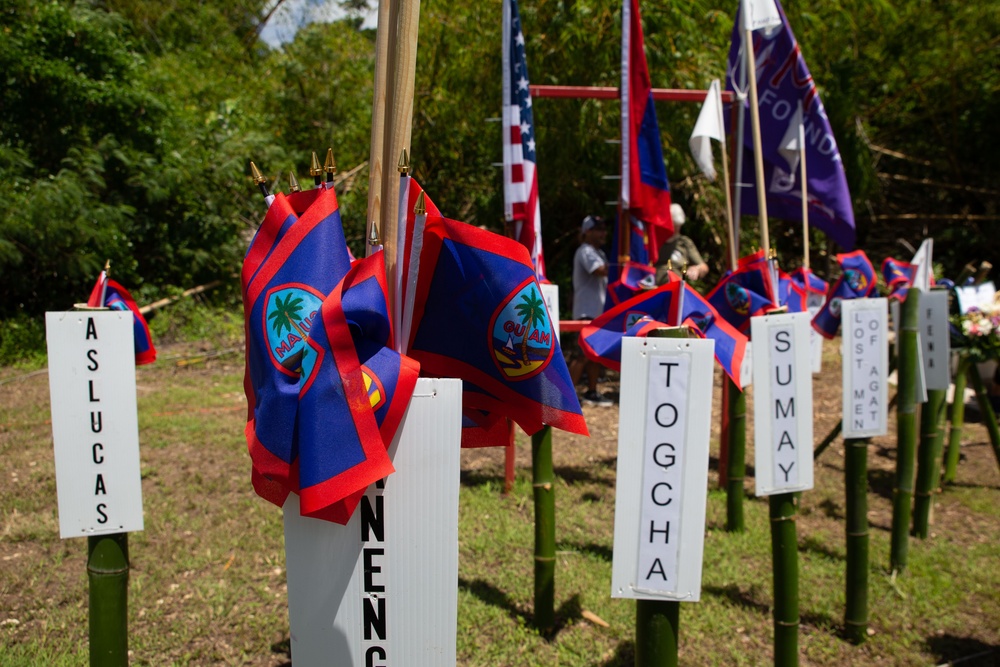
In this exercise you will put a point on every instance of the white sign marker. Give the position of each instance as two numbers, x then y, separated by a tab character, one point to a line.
865	349
663	436
934	338
383	590
783	412
975	296
550	295
95	431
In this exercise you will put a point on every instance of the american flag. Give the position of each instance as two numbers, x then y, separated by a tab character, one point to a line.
520	183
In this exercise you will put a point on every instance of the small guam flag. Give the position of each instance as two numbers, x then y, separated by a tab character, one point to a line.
111	295
478	315
856	281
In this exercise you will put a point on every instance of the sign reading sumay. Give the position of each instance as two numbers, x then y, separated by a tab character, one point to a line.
95	432
934	338
866	360
783	415
664	426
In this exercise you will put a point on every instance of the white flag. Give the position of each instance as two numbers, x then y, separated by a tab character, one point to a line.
708	126
922	260
791	146
759	14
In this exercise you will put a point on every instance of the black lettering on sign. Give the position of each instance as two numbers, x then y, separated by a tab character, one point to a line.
656	568
99	488
98	458
665	531
372	519
664	460
668	364
92	356
656	415
95	422
777	373
91	329
374	619
788	470
371	570
370	656
788	411
653	494
785	440
93	399
103	518
782	338
859	394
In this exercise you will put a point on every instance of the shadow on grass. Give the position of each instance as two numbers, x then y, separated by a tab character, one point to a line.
816	546
713	464
283	648
602	551
577	475
568	613
624	656
963	651
748	601
474	479
881	482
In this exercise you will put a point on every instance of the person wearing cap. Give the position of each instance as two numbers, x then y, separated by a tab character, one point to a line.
590	287
680	251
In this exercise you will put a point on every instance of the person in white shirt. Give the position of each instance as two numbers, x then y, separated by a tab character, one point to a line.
590	287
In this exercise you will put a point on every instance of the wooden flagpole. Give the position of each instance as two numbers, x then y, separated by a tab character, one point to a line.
378	117
758	157
733	241
805	195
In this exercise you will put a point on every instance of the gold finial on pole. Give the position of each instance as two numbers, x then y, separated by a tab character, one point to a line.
420	208
107	263
373	237
293	183
259	180
329	165
404	163
315	169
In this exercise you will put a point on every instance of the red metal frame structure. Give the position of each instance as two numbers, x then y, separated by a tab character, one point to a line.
608	93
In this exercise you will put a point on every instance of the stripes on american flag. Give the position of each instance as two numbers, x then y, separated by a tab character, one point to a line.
520	181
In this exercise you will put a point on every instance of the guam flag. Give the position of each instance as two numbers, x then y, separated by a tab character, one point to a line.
633	279
800	288
898	277
353	391
109	294
645	191
730	345
601	340
856	281
292	264
744	293
479	315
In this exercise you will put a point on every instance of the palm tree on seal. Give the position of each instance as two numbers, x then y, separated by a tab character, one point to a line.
286	315
532	312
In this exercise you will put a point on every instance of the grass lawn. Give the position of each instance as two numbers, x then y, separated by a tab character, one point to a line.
208	580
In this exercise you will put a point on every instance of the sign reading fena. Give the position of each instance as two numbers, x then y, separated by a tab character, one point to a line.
663	435
866	367
95	431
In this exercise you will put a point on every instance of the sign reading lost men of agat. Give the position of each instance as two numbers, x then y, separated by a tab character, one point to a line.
866	361
95	431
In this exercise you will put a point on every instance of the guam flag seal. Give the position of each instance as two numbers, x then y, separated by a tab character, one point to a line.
521	333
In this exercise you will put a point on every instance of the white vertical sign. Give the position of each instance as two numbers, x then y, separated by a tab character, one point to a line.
934	338
663	436
550	295
383	590
865	350
975	296
783	412
95	431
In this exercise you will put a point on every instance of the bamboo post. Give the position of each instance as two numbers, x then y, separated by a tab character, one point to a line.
906	432
785	574
736	458
856	580
543	481
928	460
989	417
107	572
957	420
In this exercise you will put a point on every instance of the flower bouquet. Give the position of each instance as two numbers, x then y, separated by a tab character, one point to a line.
977	332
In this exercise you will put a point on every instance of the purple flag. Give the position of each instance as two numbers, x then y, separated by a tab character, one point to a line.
783	81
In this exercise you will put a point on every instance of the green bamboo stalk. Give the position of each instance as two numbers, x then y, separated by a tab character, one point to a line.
957	420
107	571
785	574
906	431
736	466
856	580
543	485
657	624
928	460
989	417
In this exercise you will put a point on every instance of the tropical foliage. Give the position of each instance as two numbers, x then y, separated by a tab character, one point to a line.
126	126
